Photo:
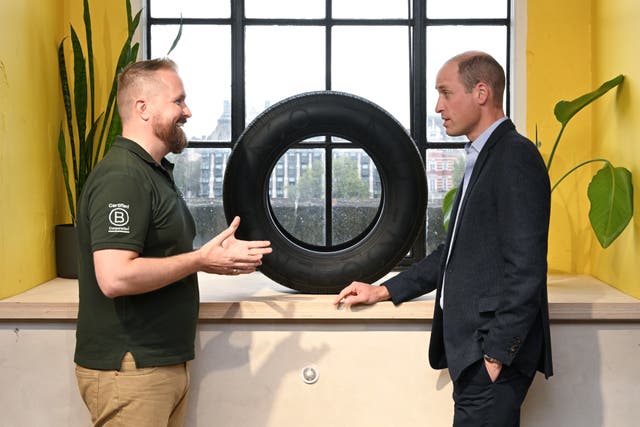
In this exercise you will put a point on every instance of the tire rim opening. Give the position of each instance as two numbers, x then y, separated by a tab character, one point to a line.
325	204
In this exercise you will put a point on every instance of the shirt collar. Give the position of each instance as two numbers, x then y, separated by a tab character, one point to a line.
135	148
483	138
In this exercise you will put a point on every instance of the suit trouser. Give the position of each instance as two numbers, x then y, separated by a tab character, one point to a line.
481	402
131	396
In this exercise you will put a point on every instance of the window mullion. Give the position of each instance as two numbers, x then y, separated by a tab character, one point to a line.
418	103
238	92
328	164
418	75
328	173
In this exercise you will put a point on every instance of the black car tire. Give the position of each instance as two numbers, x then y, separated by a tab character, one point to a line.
381	246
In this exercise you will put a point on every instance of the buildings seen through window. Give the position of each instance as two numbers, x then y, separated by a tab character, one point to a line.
298	177
238	57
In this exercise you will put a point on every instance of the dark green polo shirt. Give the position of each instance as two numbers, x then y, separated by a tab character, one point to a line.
131	202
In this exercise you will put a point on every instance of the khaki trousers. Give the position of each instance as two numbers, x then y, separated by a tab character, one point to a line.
132	397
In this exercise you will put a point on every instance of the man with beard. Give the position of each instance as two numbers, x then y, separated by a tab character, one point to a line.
139	295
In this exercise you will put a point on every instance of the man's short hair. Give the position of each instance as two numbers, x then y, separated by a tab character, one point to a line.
475	67
131	77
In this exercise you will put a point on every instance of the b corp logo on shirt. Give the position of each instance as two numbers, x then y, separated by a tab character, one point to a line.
118	218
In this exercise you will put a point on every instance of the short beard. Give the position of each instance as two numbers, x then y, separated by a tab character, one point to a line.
173	135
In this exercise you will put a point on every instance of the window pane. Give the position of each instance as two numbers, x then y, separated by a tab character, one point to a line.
440	9
447	41
445	168
355	194
369	9
198	174
297	195
373	62
189	8
285	60
206	74
297	9
281	62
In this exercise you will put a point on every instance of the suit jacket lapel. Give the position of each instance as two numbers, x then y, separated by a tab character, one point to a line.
497	134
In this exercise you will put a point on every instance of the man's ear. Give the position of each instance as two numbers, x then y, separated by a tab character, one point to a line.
482	93
142	110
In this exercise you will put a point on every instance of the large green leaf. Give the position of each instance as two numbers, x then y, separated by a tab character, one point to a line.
447	205
611	196
565	110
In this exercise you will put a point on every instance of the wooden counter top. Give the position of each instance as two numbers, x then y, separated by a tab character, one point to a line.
255	297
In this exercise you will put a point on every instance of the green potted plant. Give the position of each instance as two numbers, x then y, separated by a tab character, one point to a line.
610	191
88	130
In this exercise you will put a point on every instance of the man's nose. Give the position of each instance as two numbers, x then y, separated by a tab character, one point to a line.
438	106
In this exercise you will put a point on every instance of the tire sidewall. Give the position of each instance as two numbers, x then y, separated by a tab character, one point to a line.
368	127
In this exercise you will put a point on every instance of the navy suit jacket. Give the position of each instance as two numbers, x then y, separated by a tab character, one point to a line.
495	300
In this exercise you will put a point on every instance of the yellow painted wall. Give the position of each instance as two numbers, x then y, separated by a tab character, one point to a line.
573	46
617	130
29	116
559	66
31	186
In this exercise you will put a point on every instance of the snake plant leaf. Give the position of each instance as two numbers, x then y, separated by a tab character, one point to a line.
87	148
129	21
88	34
565	110
115	129
79	86
68	110
177	39
133	54
128	54
447	205
86	155
611	195
81	102
133	24
62	151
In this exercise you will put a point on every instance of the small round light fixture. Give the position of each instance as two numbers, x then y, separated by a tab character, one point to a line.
310	374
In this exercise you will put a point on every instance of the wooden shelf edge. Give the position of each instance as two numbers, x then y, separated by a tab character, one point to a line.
417	311
256	298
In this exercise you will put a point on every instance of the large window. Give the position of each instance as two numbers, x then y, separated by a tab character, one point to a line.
238	57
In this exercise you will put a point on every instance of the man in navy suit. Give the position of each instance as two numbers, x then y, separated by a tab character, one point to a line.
491	323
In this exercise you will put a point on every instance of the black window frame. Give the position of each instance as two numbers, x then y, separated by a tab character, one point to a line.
416	41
